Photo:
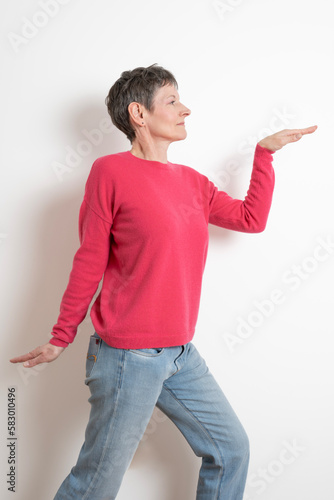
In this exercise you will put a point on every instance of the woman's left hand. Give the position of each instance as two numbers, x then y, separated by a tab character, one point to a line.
283	137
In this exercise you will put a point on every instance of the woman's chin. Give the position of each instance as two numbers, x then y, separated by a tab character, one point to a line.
181	136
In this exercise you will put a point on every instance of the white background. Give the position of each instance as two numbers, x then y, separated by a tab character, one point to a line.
246	69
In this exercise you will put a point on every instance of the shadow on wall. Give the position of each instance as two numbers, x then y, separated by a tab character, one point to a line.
164	450
57	396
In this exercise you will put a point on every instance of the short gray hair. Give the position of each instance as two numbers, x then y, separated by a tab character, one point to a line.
138	85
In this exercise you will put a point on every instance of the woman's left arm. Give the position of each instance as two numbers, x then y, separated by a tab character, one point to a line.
250	215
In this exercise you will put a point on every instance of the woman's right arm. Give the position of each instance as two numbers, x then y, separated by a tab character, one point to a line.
89	264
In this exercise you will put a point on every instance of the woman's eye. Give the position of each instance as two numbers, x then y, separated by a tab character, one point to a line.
172	102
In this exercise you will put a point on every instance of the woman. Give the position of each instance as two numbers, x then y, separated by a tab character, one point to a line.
143	226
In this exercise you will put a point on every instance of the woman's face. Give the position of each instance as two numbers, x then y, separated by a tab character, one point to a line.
167	118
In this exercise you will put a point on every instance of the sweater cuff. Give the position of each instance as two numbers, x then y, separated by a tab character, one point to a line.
58	342
261	148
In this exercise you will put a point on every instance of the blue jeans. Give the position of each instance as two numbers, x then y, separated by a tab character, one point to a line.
125	386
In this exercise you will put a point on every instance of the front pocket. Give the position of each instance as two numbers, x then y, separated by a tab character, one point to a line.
149	352
92	353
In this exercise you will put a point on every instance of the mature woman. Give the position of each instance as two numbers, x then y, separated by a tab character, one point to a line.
144	229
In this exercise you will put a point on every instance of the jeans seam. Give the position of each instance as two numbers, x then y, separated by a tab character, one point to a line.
220	479
104	450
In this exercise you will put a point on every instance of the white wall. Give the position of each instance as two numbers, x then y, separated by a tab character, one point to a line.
246	70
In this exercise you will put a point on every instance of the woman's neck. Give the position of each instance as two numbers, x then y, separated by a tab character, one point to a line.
150	151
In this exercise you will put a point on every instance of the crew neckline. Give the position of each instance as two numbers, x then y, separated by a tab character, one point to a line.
150	162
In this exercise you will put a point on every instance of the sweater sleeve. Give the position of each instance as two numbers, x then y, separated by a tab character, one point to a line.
90	260
249	215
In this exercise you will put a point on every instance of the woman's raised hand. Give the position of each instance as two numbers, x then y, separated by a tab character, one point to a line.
283	137
42	354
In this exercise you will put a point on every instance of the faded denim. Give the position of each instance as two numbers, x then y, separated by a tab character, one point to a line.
125	386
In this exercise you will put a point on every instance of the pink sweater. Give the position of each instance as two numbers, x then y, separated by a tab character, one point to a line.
143	227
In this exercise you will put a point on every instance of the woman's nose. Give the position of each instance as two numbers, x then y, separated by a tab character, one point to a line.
186	111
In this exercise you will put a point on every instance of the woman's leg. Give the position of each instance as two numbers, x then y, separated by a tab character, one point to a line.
194	401
124	386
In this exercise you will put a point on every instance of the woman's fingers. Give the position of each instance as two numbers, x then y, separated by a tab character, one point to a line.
24	357
279	139
301	131
297	134
42	354
309	130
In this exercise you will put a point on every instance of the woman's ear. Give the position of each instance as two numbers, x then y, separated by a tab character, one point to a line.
136	112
